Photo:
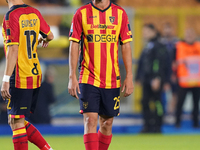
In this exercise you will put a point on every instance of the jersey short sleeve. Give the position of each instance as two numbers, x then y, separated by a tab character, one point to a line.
4	31
11	29
125	32
44	27
76	27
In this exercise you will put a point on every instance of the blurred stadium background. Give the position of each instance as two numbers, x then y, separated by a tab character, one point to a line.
181	14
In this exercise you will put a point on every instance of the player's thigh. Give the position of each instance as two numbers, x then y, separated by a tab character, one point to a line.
34	99
20	103
110	102
89	98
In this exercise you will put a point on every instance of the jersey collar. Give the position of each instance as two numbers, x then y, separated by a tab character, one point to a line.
18	6
102	10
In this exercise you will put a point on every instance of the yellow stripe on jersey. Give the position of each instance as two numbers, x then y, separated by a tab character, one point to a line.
120	12
49	32
109	60
97	49
86	55
128	40
12	43
25	122
73	39
20	131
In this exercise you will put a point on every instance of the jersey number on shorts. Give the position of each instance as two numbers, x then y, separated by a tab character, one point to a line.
30	45
8	105
117	102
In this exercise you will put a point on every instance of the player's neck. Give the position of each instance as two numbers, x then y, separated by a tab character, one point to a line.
15	2
102	4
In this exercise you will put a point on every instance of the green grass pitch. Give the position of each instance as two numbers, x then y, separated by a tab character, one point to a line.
119	142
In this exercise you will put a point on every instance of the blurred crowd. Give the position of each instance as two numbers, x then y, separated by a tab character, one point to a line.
170	66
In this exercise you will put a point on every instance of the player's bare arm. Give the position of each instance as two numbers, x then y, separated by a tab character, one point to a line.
73	85
45	41
127	58
11	59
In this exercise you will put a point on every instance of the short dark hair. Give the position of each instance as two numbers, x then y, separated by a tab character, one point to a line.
150	26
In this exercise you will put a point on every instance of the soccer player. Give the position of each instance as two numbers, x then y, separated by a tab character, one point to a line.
22	77
99	25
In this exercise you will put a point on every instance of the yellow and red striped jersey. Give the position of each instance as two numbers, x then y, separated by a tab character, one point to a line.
21	26
100	31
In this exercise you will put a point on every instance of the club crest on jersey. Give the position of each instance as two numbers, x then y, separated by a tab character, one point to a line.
85	105
112	19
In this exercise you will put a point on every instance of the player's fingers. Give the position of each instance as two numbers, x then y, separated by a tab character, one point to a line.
126	92
76	96
40	40
8	93
79	92
71	92
46	44
123	87
75	93
3	95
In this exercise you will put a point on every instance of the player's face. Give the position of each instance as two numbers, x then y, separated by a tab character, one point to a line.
190	36
148	33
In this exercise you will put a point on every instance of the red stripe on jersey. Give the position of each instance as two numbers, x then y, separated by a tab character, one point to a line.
113	31
89	15
90	31
102	17
38	81
29	82
82	66
115	14
91	63
114	77
102	31
103	65
17	116
102	20
81	72
17	78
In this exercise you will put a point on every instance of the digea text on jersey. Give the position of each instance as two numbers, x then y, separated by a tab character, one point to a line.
29	23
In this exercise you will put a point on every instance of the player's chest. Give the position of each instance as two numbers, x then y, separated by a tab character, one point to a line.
101	23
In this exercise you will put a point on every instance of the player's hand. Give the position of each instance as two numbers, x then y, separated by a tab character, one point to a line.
5	90
128	86
44	42
73	87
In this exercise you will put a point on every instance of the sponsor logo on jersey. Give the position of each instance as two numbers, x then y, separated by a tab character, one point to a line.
92	16
102	26
101	38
